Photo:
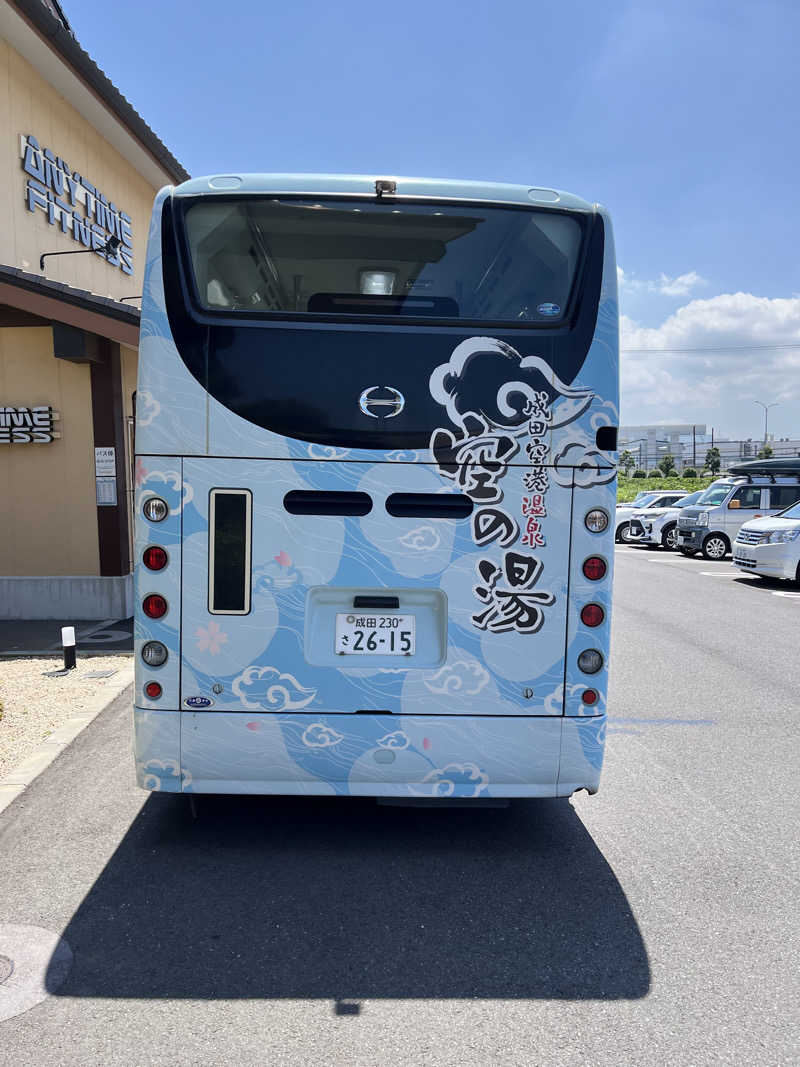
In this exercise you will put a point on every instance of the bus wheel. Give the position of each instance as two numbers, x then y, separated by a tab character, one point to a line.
669	538
715	546
689	551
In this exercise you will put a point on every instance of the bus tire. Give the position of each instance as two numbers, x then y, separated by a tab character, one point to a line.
715	547
669	538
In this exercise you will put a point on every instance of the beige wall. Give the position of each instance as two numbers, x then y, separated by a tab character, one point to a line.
29	105
49	511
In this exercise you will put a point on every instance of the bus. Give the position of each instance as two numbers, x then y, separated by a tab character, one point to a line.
376	432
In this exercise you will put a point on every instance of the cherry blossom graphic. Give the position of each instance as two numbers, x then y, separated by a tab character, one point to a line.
211	639
283	559
141	472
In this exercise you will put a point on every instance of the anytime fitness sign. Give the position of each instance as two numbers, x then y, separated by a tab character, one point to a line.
27	426
75	204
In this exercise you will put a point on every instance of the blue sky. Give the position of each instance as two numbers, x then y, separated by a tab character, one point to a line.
681	117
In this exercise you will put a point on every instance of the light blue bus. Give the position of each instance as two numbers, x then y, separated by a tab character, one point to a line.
376	469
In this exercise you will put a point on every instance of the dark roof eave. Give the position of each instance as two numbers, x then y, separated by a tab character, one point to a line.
101	305
85	67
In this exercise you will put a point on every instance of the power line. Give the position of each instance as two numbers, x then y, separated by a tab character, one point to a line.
718	348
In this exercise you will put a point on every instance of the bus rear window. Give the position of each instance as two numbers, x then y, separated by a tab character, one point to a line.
356	258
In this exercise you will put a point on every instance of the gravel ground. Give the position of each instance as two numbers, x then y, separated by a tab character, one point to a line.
33	706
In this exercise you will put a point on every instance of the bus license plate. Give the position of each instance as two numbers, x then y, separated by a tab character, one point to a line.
373	634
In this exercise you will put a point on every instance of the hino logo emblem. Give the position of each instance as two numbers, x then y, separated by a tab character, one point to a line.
381	401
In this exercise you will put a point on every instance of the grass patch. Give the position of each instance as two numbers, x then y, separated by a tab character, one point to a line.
627	488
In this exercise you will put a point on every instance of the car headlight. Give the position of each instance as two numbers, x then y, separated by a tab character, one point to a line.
781	537
702	519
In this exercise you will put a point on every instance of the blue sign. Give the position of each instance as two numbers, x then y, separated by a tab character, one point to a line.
549	309
75	204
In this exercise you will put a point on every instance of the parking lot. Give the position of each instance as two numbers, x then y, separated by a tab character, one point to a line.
653	923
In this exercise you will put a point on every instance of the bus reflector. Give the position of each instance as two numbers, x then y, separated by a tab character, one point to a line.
155	606
589	697
152	690
590	661
596	520
592	615
154	653
594	568
154	558
155	509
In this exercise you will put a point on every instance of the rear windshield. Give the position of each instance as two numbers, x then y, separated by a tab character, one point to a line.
444	261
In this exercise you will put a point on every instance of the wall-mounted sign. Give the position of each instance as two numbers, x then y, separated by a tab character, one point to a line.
28	426
72	202
105	462
106	492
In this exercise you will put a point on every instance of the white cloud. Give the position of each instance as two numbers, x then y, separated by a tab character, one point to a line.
717	387
681	285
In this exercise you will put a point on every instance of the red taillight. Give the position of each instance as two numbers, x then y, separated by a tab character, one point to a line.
152	690
154	558
592	615
589	697
594	568
154	606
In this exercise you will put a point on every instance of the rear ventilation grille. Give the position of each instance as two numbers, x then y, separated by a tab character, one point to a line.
307	502
429	505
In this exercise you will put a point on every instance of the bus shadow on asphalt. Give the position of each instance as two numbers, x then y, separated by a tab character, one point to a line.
274	897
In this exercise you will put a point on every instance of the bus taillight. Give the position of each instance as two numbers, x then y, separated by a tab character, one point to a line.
153	691
154	558
154	605
594	568
592	615
589	697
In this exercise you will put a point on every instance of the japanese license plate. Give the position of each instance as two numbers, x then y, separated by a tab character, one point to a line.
374	634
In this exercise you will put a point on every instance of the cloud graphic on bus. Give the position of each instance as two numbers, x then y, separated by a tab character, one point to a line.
489	378
318	735
169	486
147	407
422	539
466	677
163	775
268	689
395	740
317	451
578	463
455	779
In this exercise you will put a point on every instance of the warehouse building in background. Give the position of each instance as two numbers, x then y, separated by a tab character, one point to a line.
79	172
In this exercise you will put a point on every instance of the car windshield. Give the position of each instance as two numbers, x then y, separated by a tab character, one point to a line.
792	512
685	501
715	494
641	501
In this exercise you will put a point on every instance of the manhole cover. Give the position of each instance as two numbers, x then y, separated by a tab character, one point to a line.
6	968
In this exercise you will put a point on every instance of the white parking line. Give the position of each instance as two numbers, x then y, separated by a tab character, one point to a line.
789	596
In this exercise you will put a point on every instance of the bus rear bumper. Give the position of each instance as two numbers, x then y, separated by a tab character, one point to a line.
367	755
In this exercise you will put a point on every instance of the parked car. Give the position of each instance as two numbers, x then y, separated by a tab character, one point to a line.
770	547
653	499
755	489
659	526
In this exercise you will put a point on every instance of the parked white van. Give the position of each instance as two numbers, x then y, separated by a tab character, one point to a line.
751	490
770	547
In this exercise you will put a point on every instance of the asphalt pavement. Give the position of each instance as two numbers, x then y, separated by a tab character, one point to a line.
655	923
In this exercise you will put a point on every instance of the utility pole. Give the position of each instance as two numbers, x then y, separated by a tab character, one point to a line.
766	408
694	447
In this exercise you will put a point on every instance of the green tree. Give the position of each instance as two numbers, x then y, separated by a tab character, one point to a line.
767	452
667	465
690	472
627	462
713	460
640	473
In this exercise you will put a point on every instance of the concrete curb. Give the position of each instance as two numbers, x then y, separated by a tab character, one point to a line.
15	783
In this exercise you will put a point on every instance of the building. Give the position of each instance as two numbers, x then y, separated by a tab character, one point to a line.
649	444
79	170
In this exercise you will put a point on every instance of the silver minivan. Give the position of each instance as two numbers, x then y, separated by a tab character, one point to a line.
763	487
